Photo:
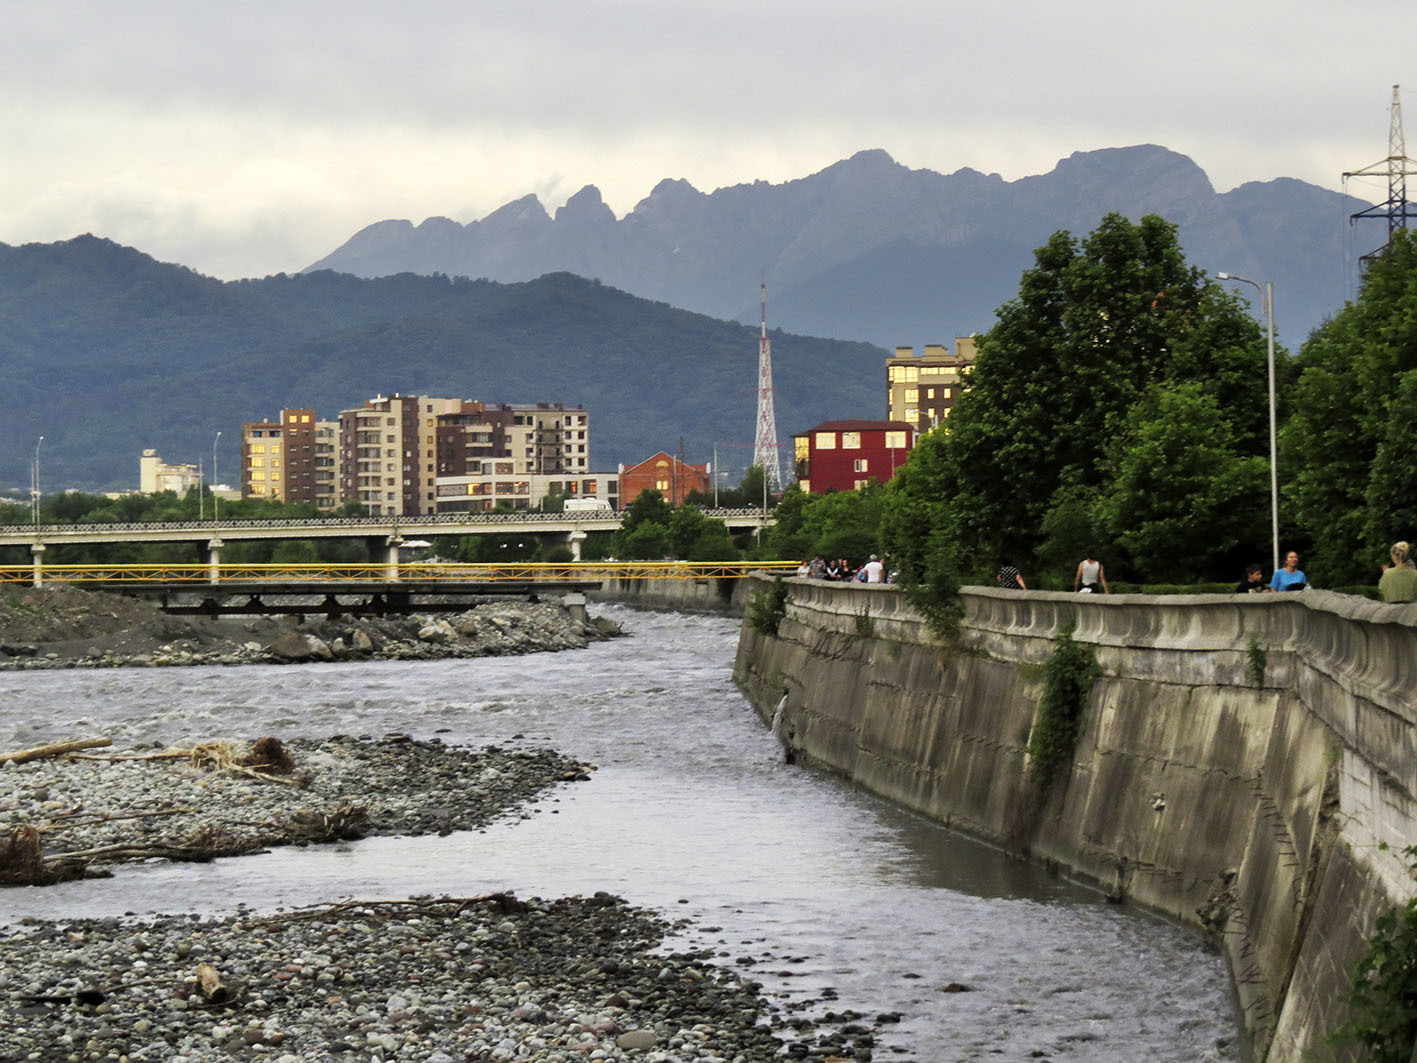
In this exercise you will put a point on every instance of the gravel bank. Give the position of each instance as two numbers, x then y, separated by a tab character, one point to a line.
65	627
492	978
91	810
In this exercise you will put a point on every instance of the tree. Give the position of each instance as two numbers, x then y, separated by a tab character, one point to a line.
1180	497
1349	439
1096	323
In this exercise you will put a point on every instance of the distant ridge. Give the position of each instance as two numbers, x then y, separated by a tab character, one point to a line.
105	351
870	249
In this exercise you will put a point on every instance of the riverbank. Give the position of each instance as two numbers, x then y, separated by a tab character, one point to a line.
77	814
60	626
487	978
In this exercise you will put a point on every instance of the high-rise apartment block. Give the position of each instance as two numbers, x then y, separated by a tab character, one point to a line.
416	454
922	391
291	460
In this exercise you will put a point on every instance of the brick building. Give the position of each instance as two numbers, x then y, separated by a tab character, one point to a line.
662	472
291	460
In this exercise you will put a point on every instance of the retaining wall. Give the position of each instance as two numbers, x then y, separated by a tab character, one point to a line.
1241	757
713	595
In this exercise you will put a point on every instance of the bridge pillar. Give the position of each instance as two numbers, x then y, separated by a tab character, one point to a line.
37	552
214	560
576	538
393	542
574	603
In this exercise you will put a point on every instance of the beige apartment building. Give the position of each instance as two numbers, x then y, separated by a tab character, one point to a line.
922	390
392	453
293	459
156	475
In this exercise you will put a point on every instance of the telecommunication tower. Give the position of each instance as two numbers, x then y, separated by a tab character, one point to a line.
1395	167
765	440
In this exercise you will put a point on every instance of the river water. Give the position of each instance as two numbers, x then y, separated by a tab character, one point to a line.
831	898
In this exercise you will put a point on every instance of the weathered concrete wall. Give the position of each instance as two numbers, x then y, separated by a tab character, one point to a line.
1251	810
713	595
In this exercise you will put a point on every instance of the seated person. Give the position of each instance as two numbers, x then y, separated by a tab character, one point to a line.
1253	583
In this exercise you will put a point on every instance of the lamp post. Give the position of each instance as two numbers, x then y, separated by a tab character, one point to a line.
1267	306
34	484
216	499
201	491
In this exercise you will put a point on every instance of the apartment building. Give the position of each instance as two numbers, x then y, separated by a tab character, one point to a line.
922	390
156	475
848	455
292	459
391	454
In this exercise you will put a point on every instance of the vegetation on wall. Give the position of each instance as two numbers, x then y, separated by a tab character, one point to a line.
1067	680
767	608
1383	997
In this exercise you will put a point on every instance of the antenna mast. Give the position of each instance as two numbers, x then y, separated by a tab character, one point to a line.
1396	167
765	441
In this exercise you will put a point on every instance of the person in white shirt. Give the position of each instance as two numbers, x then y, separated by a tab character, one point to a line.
875	571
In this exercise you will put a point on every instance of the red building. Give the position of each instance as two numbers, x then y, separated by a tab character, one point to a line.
848	455
668	475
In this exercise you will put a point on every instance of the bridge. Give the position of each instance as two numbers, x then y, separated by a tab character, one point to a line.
385	535
364	589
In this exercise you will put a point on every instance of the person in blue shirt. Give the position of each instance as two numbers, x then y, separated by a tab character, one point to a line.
1291	577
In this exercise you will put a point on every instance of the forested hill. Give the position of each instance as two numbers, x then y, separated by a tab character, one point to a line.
105	351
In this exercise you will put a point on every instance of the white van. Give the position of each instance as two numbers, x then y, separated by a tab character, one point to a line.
585	505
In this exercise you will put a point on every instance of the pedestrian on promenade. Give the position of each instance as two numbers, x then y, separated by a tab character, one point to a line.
1399	582
1253	583
1010	578
1090	574
1291	577
873	571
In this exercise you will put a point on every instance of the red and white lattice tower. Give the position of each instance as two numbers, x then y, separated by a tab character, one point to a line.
765	440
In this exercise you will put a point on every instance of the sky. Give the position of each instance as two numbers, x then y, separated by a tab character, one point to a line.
249	138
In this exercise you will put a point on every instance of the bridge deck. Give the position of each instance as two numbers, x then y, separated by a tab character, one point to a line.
347	598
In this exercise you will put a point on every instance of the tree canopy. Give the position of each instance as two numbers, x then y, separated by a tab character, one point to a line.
1066	432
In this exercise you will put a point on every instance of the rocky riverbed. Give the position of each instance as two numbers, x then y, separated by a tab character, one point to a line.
59	626
73	815
489	978
471	979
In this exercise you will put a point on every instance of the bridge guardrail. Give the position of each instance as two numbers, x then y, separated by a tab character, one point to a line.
412	572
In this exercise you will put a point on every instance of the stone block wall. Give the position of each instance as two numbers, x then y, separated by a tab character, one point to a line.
1240	758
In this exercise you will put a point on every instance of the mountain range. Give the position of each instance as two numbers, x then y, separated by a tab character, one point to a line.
105	352
870	249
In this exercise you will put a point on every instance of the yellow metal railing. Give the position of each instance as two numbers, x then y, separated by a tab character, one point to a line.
414	572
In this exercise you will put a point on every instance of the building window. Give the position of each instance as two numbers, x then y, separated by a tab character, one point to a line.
258	463
895	440
851	441
275	448
861	465
661	485
826	440
860	484
912	394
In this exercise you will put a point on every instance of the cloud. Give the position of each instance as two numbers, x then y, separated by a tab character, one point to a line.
250	138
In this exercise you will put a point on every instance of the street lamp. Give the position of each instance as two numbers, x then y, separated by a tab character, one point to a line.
34	484
1267	307
216	499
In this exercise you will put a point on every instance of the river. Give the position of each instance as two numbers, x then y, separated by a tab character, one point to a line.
831	898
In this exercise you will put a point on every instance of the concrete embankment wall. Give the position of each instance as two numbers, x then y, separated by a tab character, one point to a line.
1240	760
711	595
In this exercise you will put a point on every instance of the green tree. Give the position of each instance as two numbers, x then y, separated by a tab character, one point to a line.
1179	496
1096	323
650	507
1347	444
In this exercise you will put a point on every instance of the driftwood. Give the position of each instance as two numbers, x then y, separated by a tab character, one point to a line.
21	857
209	984
57	749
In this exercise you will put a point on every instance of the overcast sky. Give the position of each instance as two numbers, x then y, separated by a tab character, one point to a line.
248	138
